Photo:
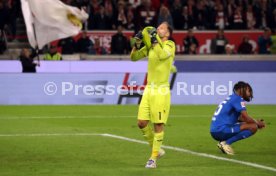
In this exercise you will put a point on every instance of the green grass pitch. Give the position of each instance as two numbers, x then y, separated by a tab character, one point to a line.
66	153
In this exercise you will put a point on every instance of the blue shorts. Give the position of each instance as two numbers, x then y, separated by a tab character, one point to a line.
225	132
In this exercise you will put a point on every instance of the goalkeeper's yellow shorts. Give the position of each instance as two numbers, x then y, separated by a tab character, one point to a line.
155	104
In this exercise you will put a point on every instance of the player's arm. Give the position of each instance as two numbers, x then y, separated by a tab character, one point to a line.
163	50
239	106
136	54
246	118
147	33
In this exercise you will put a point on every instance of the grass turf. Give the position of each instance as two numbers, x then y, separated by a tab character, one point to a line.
188	127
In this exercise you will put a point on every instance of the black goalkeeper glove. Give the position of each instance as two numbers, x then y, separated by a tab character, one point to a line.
153	32
138	39
139	35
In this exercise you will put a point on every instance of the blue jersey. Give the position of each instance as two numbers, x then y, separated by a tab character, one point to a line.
228	112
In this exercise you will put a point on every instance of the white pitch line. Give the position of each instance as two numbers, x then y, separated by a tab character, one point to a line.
143	142
195	153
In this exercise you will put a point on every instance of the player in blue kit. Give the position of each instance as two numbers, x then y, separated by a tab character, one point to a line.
230	122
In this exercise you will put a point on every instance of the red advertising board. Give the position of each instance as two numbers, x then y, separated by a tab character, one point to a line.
204	38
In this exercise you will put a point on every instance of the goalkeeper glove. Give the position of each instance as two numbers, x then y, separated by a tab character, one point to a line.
139	35
152	33
138	39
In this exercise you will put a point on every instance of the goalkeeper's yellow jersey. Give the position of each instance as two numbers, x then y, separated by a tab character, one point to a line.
160	61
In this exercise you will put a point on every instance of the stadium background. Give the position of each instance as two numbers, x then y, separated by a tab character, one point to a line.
41	136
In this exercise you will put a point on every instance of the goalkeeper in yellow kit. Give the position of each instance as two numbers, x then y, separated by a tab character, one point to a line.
155	105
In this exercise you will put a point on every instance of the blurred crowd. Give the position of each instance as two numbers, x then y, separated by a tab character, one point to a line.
181	14
133	15
10	10
220	44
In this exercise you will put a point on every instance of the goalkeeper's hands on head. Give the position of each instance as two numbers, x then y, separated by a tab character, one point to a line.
149	35
138	40
139	35
152	33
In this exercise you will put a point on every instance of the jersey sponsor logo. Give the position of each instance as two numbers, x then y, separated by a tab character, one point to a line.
243	104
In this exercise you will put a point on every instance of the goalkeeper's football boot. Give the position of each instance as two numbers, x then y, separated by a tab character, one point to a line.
225	148
151	164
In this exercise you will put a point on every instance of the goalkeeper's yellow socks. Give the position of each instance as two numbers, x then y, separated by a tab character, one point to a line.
148	134
157	142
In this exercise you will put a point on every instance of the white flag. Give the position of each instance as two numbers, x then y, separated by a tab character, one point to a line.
52	20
